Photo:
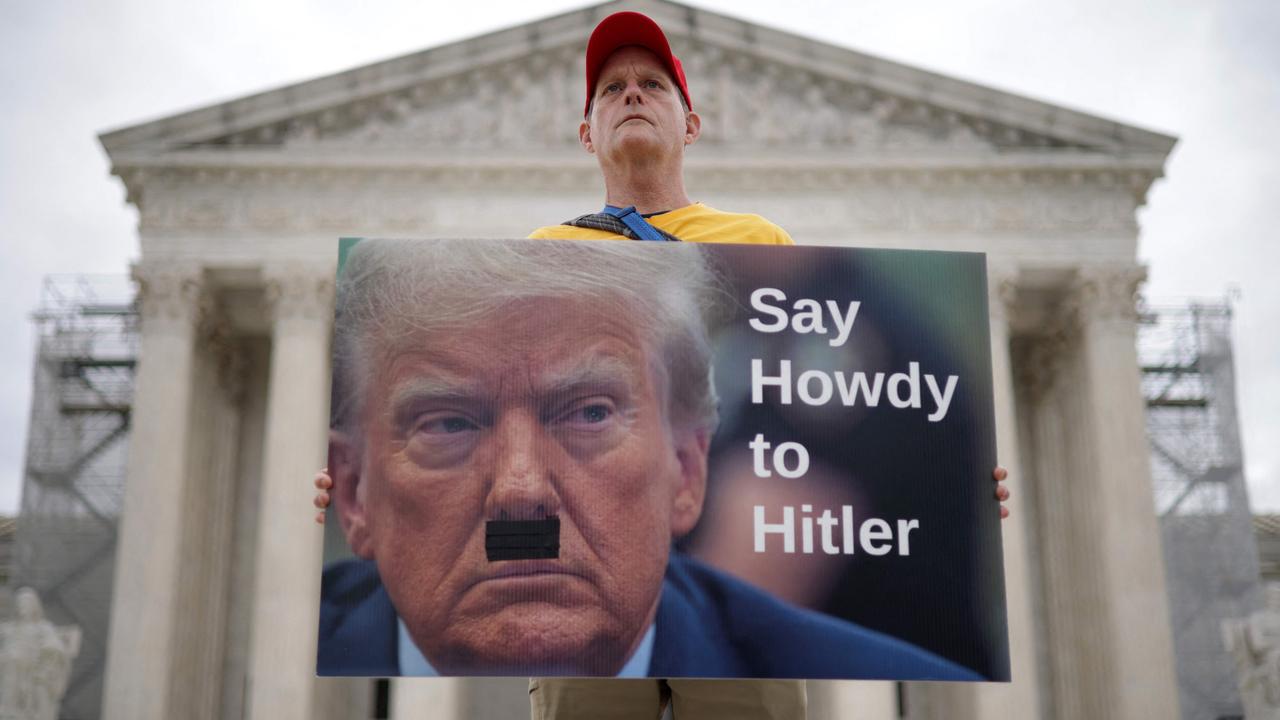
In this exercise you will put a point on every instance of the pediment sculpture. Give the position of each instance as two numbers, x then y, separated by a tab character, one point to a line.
745	101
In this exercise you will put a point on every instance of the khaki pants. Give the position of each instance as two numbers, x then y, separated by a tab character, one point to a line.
609	699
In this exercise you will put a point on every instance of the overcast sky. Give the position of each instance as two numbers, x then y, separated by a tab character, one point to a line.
1207	72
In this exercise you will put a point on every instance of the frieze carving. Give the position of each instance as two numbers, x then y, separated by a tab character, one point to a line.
405	201
744	100
506	105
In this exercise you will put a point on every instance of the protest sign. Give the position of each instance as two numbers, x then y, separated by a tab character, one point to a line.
662	459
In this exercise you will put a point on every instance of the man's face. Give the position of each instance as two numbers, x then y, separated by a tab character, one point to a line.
636	110
552	408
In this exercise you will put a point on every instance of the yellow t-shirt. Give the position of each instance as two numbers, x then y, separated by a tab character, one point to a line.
691	223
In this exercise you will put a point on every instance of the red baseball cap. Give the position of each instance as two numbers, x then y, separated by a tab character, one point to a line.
630	28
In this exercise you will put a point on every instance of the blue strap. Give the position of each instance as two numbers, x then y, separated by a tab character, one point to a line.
636	222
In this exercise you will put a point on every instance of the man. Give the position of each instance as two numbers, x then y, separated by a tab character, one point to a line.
638	121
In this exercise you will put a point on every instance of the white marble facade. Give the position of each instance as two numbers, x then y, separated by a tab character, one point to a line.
240	204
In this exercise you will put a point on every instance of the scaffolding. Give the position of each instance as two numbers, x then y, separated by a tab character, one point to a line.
73	489
1211	557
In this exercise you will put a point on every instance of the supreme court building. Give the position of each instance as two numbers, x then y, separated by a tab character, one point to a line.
240	204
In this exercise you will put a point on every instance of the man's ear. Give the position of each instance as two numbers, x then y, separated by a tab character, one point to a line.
584	137
349	493
692	127
691	453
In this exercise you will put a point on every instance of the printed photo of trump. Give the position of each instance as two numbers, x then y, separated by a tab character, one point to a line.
520	431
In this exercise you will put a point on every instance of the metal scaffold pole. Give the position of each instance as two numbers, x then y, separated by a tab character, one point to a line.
1197	468
73	488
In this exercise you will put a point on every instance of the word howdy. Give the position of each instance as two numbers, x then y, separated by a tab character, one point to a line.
818	387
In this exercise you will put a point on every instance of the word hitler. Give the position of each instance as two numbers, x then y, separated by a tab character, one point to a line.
818	387
874	535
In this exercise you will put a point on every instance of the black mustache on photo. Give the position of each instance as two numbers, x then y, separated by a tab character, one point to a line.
522	539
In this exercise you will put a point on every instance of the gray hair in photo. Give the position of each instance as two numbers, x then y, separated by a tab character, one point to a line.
388	289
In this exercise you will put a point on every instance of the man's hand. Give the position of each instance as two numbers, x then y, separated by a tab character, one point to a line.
323	482
999	475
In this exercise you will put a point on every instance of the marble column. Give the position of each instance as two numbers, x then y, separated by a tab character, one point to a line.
1106	622
1116	502
1056	459
956	701
208	505
1011	700
144	616
289	545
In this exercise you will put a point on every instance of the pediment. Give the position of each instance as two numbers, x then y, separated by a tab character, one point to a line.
518	90
745	102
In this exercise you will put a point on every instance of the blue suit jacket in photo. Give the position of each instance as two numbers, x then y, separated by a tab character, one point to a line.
708	625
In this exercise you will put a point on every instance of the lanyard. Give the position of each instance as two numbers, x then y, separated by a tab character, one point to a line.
635	221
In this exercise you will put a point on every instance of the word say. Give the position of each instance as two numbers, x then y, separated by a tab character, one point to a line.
808	316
